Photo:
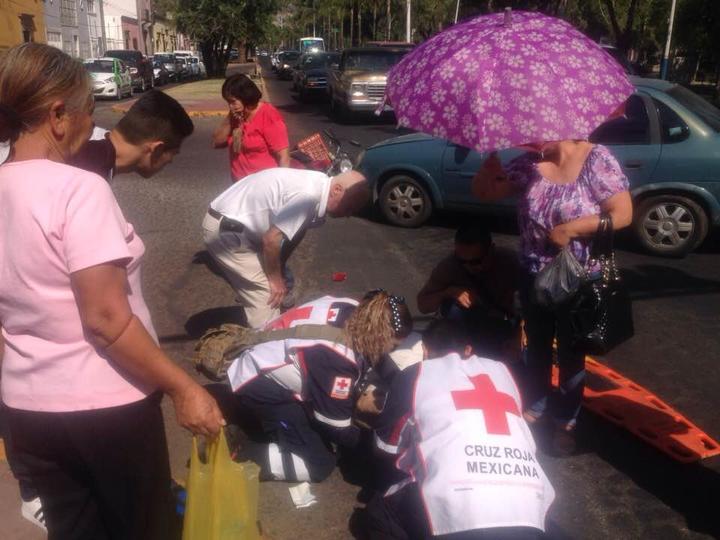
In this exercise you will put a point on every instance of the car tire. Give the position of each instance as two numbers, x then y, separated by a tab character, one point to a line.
670	225
143	86
405	201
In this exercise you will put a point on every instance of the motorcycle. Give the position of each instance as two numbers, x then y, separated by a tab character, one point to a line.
314	154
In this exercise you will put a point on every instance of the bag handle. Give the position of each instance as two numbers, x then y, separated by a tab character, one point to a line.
603	243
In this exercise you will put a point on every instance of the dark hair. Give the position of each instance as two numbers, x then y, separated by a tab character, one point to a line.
156	117
471	235
241	87
444	336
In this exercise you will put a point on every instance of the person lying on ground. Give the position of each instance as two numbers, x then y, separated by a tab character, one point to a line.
294	397
253	227
453	424
476	285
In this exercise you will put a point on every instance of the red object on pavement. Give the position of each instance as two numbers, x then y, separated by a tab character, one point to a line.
339	276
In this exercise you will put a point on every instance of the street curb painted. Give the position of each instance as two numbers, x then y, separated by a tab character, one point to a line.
260	81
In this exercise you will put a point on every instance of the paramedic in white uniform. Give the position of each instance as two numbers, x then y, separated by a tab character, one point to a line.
453	424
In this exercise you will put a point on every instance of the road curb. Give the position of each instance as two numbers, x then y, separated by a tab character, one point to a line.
194	114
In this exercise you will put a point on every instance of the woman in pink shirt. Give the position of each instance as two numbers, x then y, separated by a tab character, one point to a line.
82	374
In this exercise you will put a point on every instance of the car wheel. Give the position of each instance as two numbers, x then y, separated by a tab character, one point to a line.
670	225
404	201
143	87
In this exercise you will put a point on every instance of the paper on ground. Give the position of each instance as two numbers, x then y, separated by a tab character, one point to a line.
302	496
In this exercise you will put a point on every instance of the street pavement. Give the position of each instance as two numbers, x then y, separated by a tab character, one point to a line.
615	487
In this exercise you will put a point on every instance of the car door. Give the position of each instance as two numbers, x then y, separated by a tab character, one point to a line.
634	139
459	166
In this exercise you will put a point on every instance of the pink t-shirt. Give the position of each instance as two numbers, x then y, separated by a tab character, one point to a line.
55	220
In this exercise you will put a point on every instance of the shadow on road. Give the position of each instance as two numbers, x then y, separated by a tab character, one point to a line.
690	489
648	281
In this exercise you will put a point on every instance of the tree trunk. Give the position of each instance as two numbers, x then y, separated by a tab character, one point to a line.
359	28
342	30
374	30
389	20
352	24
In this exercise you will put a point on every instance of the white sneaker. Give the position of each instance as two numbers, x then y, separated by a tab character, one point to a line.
33	512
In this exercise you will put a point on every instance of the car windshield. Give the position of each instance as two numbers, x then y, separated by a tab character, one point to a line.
290	57
99	66
164	58
373	61
319	61
707	112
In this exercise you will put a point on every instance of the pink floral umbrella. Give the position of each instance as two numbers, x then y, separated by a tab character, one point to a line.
507	79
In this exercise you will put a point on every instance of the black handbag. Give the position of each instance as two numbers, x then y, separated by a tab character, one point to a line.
601	317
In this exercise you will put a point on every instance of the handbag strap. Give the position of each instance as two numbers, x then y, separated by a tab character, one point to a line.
603	242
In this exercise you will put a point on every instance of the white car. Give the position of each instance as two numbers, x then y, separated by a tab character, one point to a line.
201	71
111	77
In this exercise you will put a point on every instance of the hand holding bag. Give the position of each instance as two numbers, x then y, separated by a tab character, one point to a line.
602	318
560	280
222	495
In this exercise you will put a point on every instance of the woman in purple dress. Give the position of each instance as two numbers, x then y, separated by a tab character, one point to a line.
562	188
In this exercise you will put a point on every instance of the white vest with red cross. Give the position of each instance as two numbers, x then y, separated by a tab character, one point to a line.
469	449
324	310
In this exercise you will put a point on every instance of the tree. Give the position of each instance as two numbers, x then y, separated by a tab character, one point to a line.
218	25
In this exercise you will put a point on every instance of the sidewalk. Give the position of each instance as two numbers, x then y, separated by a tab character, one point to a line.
201	98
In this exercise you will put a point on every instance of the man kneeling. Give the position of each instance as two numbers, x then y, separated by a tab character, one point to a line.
294	397
454	423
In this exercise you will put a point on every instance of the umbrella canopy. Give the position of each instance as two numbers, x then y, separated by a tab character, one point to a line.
507	79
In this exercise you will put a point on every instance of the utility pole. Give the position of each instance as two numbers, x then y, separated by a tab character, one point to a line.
389	21
408	23
457	10
103	42
666	56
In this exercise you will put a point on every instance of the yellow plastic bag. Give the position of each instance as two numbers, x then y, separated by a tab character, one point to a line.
222	496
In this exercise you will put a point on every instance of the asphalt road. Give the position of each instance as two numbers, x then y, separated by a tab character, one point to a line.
616	487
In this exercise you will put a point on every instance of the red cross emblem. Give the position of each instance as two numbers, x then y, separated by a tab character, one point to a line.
492	403
341	388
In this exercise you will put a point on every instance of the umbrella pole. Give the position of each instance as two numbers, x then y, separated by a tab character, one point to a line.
666	56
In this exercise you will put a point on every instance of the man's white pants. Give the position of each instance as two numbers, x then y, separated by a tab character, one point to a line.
244	270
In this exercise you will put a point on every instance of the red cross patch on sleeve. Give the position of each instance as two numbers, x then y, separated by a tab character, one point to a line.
341	388
333	314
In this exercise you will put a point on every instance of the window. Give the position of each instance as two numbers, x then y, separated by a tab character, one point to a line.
126	35
631	128
54	39
135	44
672	128
91	6
708	113
68	13
27	24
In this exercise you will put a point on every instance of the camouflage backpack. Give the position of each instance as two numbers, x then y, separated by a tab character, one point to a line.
218	348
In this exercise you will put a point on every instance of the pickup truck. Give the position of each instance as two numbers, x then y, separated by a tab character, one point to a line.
357	83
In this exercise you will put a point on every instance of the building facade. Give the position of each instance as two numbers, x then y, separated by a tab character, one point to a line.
121	26
21	21
75	26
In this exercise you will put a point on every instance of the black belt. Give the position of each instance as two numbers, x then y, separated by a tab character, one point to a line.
226	224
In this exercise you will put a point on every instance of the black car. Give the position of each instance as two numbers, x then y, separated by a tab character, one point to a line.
310	74
171	64
141	69
286	64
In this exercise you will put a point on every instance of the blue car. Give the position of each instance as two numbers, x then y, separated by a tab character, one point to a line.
668	143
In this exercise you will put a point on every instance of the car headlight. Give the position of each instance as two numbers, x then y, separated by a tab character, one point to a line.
109	79
358	89
285	66
169	67
133	71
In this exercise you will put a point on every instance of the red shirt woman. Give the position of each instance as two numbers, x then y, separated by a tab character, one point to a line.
253	131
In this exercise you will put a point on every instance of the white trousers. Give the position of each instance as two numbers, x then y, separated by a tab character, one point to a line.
244	270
